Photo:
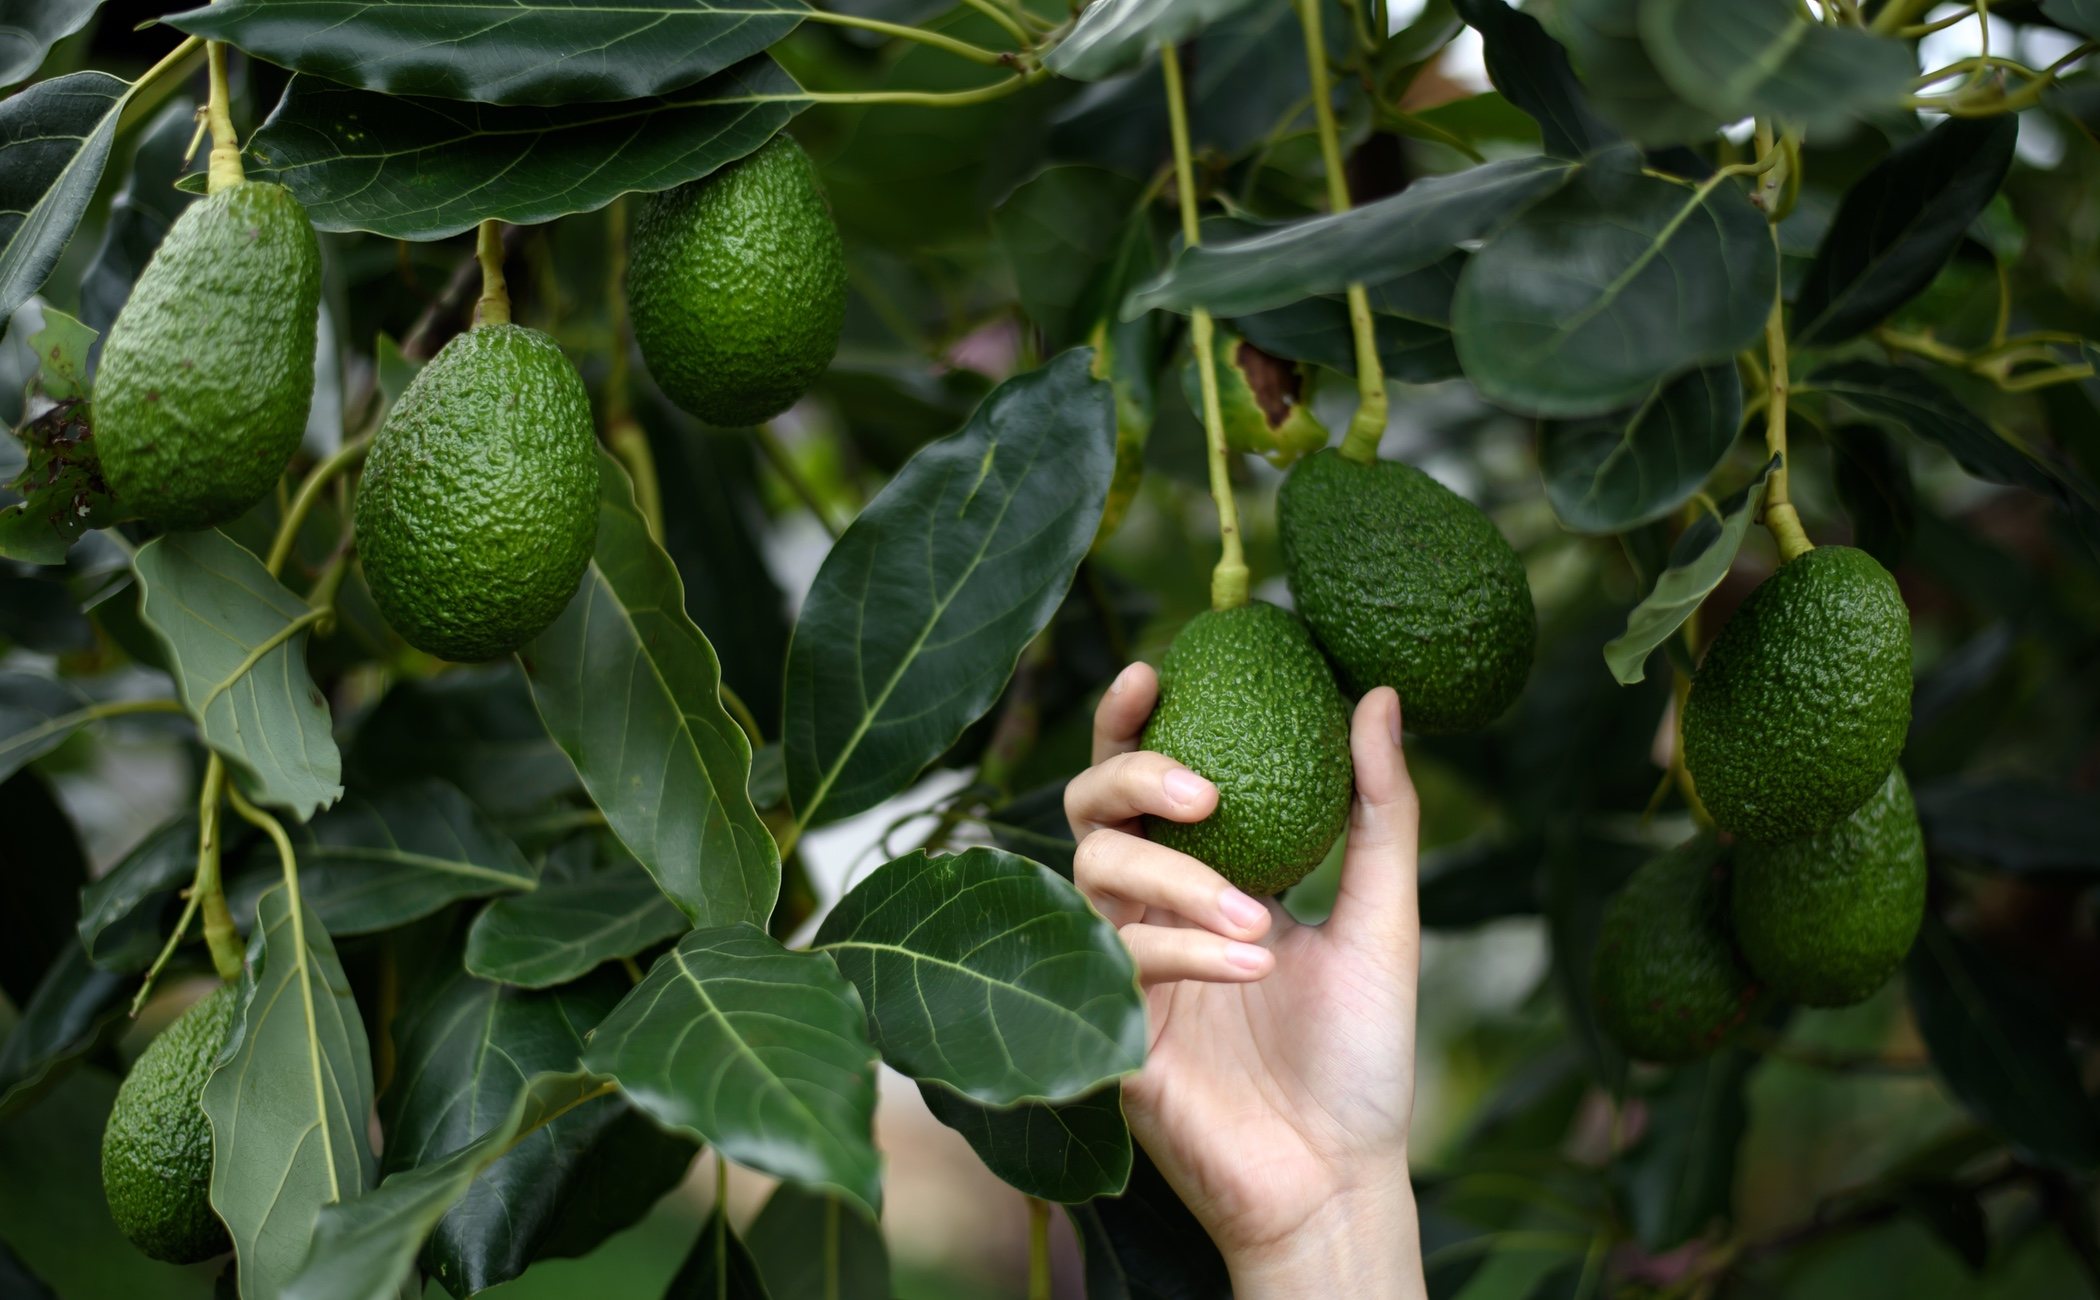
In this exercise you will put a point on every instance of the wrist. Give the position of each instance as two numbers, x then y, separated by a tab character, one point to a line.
1363	1241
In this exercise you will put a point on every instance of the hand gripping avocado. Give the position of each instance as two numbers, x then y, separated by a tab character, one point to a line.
1262	400
1666	980
208	371
478	508
1246	700
1826	919
737	286
1802	703
1407	585
156	1149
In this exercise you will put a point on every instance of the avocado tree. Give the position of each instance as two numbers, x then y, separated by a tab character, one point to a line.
558	559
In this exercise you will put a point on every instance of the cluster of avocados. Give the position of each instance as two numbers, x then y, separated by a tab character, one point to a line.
1399	582
1791	733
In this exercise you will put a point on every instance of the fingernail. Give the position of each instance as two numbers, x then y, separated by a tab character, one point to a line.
1241	910
1246	956
1393	721
1184	786
1122	681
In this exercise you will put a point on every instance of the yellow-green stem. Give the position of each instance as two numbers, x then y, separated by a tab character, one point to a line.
946	44
224	169
1228	581
1896	14
310	489
1038	1249
743	715
1367	427
1780	517
493	306
219	932
783	463
158	82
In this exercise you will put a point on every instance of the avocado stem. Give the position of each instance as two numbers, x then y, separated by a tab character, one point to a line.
1780	517
1367	426
220	935
224	167
493	306
1228	581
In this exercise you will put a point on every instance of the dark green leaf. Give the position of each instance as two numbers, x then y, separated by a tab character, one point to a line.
289	1098
1702	557
1873	480
989	973
1115	37
1369	244
718	1267
1614	283
41	862
1481	880
499	51
33	27
37	714
566	928
1897	226
920	611
475	727
1410	316
1145	1245
2000	1051
466	1049
428	168
1679	1179
139	215
121	913
66	1016
760	1051
1069	1151
2081	16
236	646
1768	58
54	140
1621	79
1609	473
631	691
1531	70
810	1246
2013	825
1059	231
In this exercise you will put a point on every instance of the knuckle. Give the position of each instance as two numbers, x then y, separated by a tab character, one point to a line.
1090	857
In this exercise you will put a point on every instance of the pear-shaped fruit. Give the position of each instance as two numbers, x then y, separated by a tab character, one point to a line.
1666	980
156	1147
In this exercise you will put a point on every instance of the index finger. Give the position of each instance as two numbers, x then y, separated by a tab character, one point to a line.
1120	718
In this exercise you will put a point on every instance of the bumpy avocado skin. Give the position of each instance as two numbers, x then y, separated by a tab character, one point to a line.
1803	702
1246	700
737	286
478	509
208	371
1666	980
156	1149
1826	919
1408	585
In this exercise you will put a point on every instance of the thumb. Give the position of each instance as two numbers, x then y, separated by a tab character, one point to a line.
1379	877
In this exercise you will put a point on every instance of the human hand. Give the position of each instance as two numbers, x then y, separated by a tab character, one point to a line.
1280	1083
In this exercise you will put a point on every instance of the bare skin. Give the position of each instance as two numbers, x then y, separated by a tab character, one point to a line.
1280	1083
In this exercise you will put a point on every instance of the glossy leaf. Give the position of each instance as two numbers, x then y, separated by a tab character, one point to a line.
62	1021
1069	1151
1699	561
2081	16
1873	479
1899	224
1679	1179
1609	473
237	650
630	689
1317	330
719	1266
33	27
2012	824
501	51
466	1050
990	974
1372	243
809	1246
37	714
54	140
1620	77
1609	286
475	727
565	928
1768	58
122	911
760	1051
140	214
42	861
922	608
428	168
290	1097
1998	1048
364	1248
1531	70
1058	232
1116	35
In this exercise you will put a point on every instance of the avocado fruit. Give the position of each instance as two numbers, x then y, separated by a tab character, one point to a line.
1802	703
1667	982
156	1148
1826	919
478	509
736	284
201	396
1246	701
1261	398
1407	585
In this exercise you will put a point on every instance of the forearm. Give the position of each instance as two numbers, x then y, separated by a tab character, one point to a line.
1366	1243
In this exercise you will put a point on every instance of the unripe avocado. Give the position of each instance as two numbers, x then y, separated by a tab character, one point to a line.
1802	703
737	286
1246	700
478	510
156	1149
1826	919
208	371
1666	980
1408	585
1260	397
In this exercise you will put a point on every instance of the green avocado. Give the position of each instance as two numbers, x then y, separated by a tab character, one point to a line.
1246	700
1666	980
478	509
156	1149
1260	397
206	376
1826	919
1803	702
1407	585
737	286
